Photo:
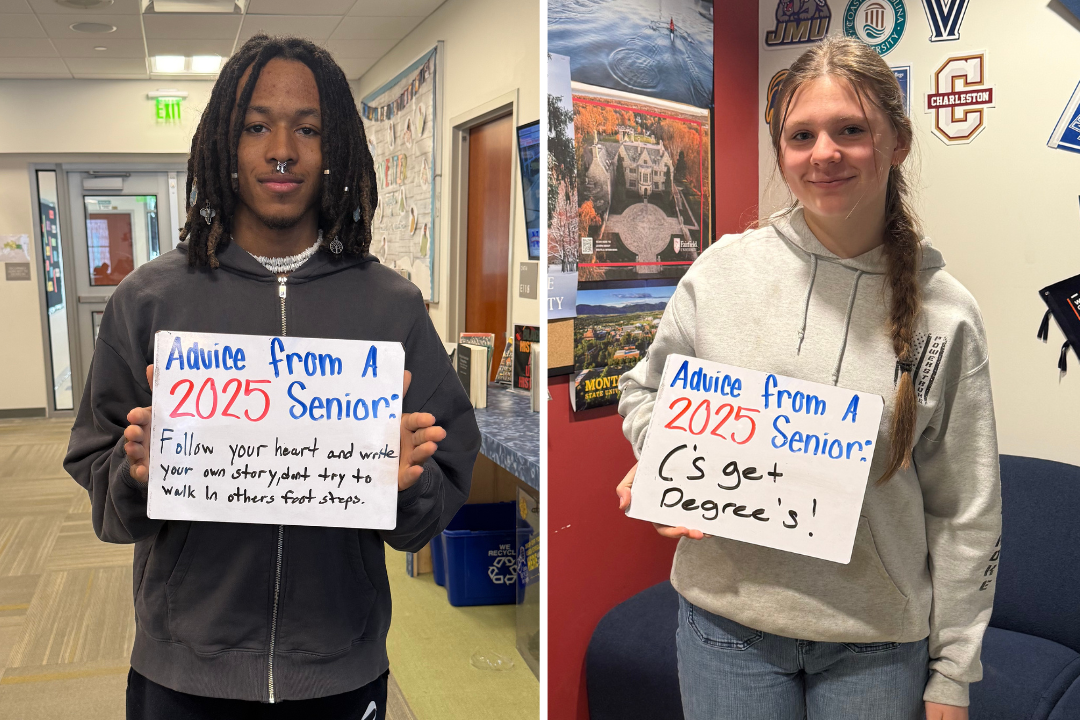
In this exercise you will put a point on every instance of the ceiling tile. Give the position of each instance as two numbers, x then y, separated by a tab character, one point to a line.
317	27
189	47
375	28
354	68
359	49
193	27
114	48
34	66
16	6
59	26
118	7
291	7
111	76
26	48
20	26
113	66
383	8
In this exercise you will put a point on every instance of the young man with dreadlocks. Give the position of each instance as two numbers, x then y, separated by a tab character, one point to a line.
232	616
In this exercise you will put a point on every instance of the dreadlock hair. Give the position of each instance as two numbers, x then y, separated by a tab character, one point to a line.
212	163
873	81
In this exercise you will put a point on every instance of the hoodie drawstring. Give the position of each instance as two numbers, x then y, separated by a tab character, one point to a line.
847	324
806	301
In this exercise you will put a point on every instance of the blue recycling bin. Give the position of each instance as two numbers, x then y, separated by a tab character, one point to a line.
479	556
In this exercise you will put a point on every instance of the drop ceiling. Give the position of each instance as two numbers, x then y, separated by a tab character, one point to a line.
37	39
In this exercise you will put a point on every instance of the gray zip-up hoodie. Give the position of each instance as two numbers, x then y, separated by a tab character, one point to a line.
263	612
776	300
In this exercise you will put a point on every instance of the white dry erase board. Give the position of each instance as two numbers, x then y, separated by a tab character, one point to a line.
277	430
761	458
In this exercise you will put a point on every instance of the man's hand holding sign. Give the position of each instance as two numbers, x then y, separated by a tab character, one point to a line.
317	438
756	457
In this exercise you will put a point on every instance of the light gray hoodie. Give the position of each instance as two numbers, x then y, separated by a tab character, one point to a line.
776	300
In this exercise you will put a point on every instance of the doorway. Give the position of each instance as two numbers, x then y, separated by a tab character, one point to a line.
487	258
97	226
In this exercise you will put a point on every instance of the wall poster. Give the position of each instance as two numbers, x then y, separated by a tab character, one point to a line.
564	243
400	119
656	48
644	193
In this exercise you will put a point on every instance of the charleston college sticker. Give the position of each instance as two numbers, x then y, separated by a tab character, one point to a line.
878	23
958	98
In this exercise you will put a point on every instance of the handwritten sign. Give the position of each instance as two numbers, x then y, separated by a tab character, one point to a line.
761	458
277	430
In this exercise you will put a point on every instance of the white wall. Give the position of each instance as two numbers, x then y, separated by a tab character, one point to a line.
1003	210
492	48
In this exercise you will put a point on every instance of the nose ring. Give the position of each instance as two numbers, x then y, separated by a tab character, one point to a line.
282	166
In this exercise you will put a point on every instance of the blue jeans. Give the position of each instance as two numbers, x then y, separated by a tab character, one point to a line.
728	671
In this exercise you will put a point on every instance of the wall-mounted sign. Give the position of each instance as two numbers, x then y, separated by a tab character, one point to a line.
1066	135
167	109
958	97
903	76
799	22
945	17
878	23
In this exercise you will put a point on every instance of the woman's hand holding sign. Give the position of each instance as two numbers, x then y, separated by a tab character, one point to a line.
137	434
419	441
623	491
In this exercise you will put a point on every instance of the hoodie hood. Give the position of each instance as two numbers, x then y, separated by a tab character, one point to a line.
792	227
236	259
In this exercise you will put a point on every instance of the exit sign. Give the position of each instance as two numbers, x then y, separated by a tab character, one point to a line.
168	109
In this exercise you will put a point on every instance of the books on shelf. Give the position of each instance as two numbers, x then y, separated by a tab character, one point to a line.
485	339
472	370
506	366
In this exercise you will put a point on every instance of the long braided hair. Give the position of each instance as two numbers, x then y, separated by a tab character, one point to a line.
351	183
874	82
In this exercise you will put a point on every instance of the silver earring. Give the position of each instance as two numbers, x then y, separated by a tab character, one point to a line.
326	171
234	176
207	212
282	166
336	247
194	192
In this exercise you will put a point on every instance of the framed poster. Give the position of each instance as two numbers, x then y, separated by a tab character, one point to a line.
401	122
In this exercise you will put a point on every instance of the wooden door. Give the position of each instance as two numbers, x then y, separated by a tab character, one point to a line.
491	150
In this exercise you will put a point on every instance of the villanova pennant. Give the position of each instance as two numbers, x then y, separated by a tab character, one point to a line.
945	17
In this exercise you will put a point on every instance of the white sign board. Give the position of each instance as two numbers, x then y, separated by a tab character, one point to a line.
276	430
761	458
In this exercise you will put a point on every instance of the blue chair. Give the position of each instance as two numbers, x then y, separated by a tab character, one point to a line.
1031	651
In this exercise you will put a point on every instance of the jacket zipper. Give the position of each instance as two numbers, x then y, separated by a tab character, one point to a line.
281	528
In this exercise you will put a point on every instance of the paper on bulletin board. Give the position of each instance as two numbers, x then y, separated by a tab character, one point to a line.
276	430
756	457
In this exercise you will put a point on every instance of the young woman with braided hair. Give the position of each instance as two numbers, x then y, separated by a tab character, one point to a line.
841	288
230	617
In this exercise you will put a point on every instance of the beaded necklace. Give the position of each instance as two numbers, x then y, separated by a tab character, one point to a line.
279	265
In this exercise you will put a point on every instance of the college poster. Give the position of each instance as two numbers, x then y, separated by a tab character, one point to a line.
654	48
613	330
643	177
563	240
401	127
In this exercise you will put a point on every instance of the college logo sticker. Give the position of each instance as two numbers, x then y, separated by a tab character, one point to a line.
772	94
1066	135
959	97
903	76
799	22
945	17
878	23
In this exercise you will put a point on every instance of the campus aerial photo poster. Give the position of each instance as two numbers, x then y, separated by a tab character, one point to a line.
399	119
643	185
656	48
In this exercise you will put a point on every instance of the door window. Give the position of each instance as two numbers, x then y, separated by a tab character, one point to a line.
112	224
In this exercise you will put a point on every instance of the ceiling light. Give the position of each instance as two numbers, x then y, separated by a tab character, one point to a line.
92	27
85	4
101	47
168	63
205	63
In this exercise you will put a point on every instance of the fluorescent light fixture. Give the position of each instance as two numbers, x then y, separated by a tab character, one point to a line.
205	63
168	63
166	93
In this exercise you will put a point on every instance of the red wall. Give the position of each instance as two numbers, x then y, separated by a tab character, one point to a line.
597	557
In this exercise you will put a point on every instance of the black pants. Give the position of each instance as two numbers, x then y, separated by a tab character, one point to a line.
146	700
